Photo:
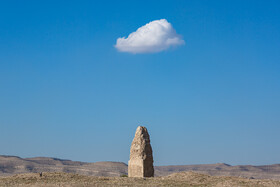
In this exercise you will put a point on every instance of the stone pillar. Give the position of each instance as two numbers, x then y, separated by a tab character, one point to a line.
141	155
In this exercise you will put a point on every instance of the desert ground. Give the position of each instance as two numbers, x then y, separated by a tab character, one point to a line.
16	171
176	179
12	165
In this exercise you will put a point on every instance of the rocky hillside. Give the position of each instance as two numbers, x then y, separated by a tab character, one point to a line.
10	165
247	171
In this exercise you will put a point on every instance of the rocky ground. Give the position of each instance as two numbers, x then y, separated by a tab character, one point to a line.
176	179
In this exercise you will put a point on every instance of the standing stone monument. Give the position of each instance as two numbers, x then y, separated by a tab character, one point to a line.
141	155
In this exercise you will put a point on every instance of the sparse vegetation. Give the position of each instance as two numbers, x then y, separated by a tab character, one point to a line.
178	179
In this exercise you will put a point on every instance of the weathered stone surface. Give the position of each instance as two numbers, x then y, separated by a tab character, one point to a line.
141	155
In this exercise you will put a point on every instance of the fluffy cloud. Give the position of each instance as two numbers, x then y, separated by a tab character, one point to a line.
153	37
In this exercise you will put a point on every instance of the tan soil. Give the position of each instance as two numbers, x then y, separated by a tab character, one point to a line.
176	179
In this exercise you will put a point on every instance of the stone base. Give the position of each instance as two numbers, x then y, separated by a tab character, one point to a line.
136	168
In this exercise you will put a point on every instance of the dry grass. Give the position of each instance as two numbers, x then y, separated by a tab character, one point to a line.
178	179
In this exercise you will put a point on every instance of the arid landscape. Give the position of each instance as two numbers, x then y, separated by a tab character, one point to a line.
176	179
140	93
16	171
11	165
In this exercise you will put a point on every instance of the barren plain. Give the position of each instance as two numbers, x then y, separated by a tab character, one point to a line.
176	179
16	171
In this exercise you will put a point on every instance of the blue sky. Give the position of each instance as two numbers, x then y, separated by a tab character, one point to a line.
67	92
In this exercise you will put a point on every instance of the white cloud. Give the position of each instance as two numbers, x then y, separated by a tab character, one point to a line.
153	37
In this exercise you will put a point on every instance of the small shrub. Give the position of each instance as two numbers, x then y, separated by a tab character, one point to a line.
124	175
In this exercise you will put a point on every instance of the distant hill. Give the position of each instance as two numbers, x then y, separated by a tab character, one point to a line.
10	165
221	169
